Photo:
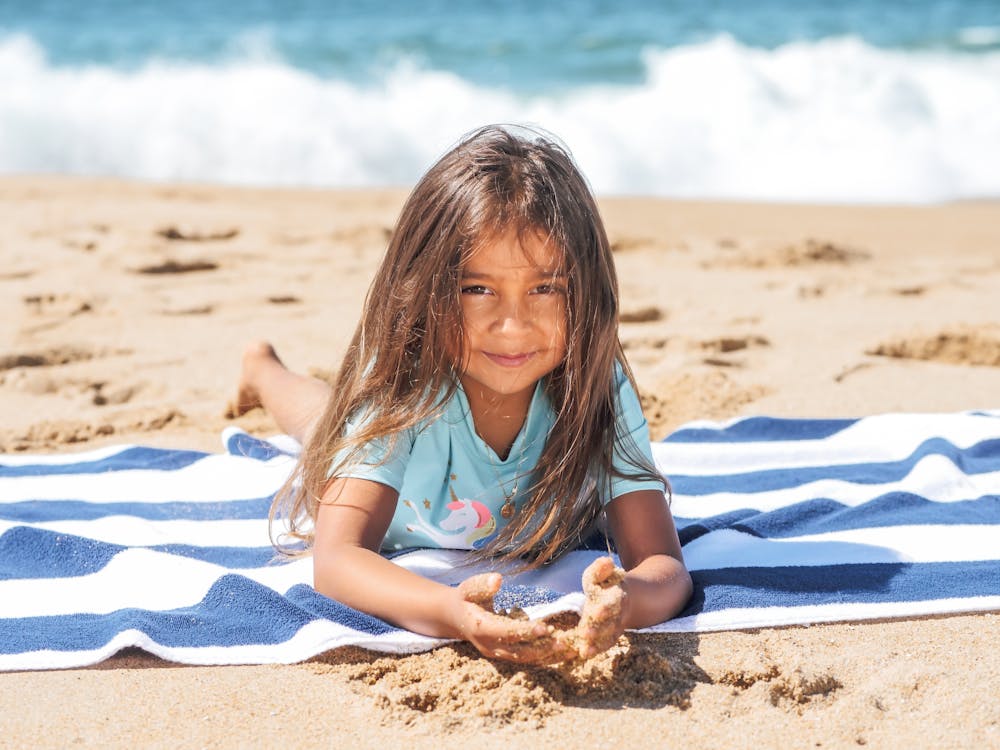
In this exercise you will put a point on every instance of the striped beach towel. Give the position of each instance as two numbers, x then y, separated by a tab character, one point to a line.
783	521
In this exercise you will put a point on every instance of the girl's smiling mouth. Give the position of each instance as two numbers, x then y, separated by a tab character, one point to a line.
509	360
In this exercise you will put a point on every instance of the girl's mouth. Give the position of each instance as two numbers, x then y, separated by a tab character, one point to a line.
509	360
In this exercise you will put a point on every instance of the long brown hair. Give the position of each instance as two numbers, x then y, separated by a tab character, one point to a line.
404	353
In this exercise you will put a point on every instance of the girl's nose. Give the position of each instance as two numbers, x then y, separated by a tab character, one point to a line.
513	316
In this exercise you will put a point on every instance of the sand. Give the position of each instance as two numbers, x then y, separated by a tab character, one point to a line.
123	311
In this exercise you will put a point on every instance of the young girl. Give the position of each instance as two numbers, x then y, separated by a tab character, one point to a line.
485	404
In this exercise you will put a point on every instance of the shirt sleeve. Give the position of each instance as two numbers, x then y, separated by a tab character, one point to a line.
632	427
382	460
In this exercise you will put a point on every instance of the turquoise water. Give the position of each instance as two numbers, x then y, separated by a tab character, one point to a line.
777	99
521	45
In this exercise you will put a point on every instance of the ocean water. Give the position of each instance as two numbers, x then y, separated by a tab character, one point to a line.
794	100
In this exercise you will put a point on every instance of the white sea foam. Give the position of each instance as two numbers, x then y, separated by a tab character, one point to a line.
979	36
834	120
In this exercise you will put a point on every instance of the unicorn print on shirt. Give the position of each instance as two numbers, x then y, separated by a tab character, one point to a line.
468	524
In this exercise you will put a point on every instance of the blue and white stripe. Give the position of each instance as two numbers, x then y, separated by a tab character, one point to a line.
783	522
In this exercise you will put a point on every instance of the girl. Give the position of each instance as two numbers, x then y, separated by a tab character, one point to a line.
485	404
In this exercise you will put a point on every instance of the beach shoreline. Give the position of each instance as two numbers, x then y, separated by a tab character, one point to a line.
125	307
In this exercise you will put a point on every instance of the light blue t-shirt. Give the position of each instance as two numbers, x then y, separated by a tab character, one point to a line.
449	480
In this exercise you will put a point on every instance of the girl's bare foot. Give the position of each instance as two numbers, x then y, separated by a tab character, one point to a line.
256	356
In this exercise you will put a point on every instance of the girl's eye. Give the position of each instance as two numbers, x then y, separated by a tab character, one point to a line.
548	289
475	289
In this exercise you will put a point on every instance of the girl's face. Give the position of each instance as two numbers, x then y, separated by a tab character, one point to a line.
514	315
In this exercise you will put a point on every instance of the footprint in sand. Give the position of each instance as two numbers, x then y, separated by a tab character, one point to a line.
17	275
105	394
966	346
809	252
909	291
53	357
172	266
647	314
284	299
59	355
194	235
624	244
725	345
98	393
628	244
68	305
196	310
644	343
48	434
819	251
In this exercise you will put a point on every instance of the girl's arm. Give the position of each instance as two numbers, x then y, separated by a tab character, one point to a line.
351	522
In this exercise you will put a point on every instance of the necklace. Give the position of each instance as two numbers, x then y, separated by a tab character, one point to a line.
507	509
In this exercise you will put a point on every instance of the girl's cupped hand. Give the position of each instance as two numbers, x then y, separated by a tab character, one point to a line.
527	641
602	620
499	636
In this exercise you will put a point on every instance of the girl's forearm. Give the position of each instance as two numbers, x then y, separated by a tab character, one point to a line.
656	590
368	582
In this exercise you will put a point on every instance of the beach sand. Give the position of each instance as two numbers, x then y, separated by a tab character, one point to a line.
123	311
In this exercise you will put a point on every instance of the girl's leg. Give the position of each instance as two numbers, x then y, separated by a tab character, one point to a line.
294	401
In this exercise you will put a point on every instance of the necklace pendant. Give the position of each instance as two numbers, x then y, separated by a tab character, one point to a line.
507	509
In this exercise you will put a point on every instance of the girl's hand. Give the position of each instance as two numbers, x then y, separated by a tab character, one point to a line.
602	620
498	637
